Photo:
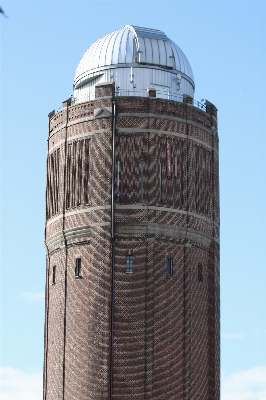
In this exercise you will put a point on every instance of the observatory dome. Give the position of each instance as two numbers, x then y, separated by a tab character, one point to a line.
135	59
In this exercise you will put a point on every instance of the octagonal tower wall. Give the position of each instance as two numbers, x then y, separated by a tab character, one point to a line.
165	336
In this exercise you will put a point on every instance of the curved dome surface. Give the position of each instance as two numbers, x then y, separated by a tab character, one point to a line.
133	47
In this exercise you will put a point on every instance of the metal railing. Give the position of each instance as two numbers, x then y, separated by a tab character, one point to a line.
199	104
161	94
83	98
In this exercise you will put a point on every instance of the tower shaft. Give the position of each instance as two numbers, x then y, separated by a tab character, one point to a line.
134	316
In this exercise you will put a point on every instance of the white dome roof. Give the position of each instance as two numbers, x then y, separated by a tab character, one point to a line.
132	46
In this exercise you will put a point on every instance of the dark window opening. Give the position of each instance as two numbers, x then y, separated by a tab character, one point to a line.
169	266
200	276
78	268
87	171
129	264
53	276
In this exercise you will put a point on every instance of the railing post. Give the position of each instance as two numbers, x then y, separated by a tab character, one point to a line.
187	99
211	109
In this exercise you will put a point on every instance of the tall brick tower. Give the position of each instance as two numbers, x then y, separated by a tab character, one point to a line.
132	229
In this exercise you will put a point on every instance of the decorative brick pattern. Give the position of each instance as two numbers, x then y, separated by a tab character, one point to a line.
78	128
131	149
53	176
54	385
132	105
77	173
198	318
129	322
82	110
201	117
132	122
200	134
125	215
166	329
56	121
104	90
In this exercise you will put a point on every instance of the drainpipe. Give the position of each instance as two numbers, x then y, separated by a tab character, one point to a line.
113	251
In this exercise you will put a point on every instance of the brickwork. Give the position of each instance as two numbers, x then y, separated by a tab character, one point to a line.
165	338
168	322
55	332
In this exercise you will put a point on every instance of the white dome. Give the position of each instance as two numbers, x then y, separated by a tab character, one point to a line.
131	47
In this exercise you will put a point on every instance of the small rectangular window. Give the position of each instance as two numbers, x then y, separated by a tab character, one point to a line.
169	266
78	268
129	264
200	276
53	276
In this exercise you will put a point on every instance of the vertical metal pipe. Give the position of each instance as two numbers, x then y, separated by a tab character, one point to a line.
160	180
66	250
113	252
118	180
113	171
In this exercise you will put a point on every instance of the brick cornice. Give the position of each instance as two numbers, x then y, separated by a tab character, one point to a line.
150	228
137	130
79	233
162	116
138	115
130	207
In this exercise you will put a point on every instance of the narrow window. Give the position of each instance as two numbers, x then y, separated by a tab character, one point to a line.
129	264
160	181
68	168
141	166
169	266
86	171
78	268
200	277
80	166
53	276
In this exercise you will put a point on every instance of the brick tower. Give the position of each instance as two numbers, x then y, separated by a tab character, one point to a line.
132	229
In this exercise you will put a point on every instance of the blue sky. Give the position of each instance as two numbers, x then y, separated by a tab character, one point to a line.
41	45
